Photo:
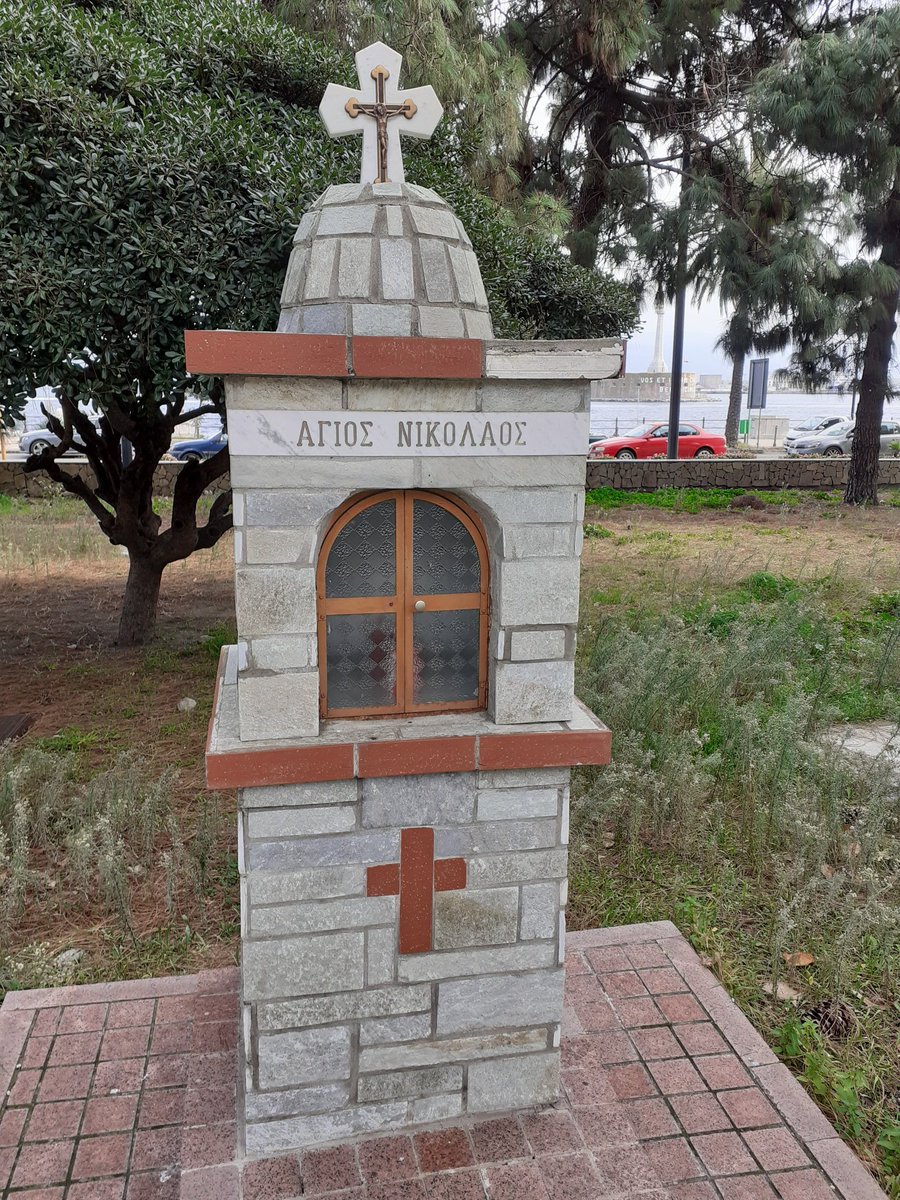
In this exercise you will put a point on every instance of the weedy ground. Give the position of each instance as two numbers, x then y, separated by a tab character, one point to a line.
721	649
718	644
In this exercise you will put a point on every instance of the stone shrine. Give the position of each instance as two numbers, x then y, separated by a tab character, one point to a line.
398	715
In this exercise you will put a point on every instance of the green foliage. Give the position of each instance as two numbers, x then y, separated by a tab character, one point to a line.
689	500
157	156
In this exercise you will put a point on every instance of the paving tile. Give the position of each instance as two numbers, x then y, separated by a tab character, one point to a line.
118	1077
125	1043
65	1083
645	955
608	958
597	1016
661	980
746	1187
164	1106
681	1007
631	1082
97	1189
697	1189
173	1008
605	1125
103	1155
153	1185
672	1160
656	1042
82	1018
624	1169
748	1108
802	1185
700	1112
498	1140
387	1159
47	1021
212	1036
723	1153
58	1120
517	1181
41	1163
225	1006
572	1176
74	1048
404	1189
166	1070
125	1013
551	1132
216	1103
24	1089
619	984
675	1076
442	1150
776	1149
209	1070
35	1052
209	1145
576	964
271	1179
613	1047
722	1071
701	1037
7	1158
651	1118
589	1086
641	1010
107	1114
329	1170
11	1125
156	1147
177	1038
454	1185
214	1183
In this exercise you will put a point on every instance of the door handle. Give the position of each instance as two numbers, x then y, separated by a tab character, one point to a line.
419	606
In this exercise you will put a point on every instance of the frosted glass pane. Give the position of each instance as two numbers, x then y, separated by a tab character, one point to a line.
362	661
445	656
445	557
363	558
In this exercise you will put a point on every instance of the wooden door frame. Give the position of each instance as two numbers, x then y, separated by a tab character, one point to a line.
402	602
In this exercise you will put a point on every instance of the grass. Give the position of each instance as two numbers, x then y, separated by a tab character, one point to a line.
727	810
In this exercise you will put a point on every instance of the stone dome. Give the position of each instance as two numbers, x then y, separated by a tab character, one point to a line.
384	259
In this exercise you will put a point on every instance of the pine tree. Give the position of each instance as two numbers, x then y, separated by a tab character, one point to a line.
838	98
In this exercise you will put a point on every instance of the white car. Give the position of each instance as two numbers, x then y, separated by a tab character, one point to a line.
811	427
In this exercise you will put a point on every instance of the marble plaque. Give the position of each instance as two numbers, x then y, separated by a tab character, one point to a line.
353	434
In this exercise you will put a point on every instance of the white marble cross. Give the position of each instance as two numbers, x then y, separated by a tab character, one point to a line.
379	113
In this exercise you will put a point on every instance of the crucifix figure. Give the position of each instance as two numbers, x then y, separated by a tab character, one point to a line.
379	112
416	878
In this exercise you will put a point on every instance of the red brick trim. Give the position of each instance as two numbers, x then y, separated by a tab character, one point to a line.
450	875
416	756
575	748
230	352
298	764
410	756
383	880
417	358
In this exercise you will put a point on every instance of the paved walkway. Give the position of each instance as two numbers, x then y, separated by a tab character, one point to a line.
126	1091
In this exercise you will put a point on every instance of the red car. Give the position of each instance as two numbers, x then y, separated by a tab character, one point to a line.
651	439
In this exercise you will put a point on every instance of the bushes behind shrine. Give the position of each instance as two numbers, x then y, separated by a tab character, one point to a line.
157	156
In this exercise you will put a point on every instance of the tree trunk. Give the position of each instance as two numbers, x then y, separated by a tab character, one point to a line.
733	419
862	482
137	621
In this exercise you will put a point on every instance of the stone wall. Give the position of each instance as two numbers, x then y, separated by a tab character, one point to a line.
820	474
346	1036
14	481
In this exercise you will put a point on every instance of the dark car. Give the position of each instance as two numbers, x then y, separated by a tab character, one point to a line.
200	448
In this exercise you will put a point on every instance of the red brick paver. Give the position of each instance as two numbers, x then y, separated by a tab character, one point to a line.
128	1091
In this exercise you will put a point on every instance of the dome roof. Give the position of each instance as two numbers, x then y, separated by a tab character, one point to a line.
386	259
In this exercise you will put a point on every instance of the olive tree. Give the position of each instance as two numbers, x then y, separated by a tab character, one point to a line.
155	158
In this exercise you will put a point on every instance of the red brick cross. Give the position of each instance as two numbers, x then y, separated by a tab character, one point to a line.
416	877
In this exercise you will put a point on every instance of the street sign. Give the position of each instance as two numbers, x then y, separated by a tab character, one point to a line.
758	386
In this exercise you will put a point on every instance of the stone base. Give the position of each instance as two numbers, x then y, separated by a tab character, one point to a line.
402	951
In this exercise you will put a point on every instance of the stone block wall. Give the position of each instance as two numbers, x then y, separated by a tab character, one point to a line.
767	474
345	1035
15	482
531	509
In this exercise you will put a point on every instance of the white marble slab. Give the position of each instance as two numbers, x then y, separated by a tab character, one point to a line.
342	433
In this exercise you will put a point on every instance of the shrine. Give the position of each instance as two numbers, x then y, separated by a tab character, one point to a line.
398	714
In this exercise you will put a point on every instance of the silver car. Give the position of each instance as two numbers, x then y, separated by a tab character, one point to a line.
813	427
837	441
37	441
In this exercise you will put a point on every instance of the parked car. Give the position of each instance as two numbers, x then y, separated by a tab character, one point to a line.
839	440
651	439
37	441
200	448
804	430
